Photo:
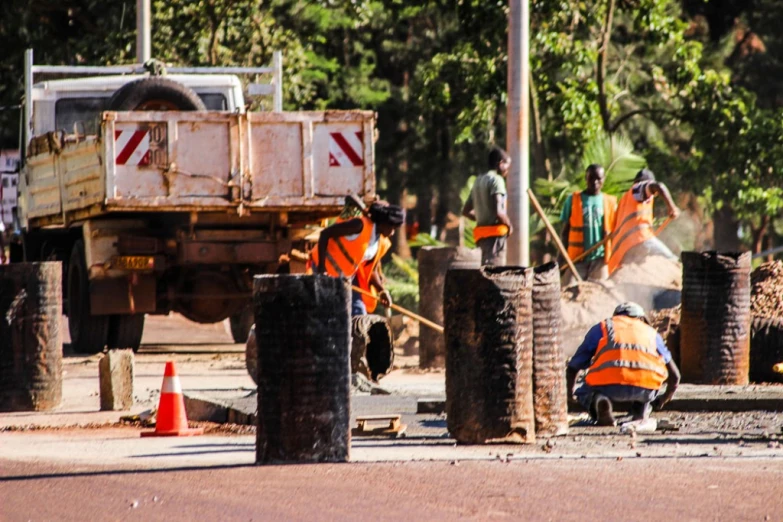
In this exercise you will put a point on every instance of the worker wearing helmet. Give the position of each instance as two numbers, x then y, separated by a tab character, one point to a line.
626	362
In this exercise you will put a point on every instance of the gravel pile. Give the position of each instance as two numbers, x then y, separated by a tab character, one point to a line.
766	294
667	322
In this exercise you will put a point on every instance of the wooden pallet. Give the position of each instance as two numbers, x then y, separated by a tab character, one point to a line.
391	427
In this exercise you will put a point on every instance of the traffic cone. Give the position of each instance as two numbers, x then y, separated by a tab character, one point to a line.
172	421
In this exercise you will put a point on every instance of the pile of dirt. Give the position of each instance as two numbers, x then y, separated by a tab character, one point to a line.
667	322
655	283
766	293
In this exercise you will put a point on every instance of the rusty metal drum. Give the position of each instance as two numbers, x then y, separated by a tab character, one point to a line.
550	399
716	321
304	343
433	264
31	347
489	355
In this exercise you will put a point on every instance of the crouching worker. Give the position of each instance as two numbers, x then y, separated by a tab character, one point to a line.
626	362
346	246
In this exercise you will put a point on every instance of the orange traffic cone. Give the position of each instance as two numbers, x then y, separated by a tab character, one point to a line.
172	421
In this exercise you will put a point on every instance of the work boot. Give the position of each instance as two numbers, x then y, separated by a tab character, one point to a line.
603	411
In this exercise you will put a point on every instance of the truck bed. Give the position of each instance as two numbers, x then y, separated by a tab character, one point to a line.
200	161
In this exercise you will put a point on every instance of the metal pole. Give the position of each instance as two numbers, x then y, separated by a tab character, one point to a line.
28	100
143	31
277	58
517	130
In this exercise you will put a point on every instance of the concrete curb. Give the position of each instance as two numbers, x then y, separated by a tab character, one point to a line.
690	398
206	409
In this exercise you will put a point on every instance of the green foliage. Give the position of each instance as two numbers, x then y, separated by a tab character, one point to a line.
402	281
695	98
469	224
422	240
614	153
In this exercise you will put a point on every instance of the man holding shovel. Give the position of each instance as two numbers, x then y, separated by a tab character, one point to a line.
588	218
354	247
634	238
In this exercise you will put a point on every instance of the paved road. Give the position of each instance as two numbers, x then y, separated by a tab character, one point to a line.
681	489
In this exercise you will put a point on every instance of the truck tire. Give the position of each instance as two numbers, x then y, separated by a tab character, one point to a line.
88	332
240	324
125	331
155	94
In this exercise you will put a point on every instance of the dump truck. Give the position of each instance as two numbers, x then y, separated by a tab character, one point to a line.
159	191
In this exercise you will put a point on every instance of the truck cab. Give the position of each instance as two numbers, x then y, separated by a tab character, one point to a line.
75	105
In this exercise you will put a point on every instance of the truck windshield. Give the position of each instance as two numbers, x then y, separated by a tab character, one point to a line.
85	112
214	101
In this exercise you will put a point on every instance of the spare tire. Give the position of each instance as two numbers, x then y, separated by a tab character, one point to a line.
155	94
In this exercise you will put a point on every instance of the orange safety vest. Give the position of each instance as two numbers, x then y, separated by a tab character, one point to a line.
627	354
634	226
576	231
486	231
343	255
366	269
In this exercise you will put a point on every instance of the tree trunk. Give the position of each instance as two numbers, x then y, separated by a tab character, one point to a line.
400	240
603	51
445	181
759	234
543	167
724	234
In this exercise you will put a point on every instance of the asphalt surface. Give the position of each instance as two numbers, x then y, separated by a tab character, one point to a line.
607	489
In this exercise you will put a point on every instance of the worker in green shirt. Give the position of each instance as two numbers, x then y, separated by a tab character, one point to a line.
588	217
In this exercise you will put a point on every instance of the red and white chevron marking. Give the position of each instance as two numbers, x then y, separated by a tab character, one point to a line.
346	149
132	147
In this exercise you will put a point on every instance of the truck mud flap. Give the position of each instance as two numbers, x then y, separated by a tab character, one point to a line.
125	295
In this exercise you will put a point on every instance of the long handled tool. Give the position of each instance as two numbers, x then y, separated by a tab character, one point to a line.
438	328
555	237
610	237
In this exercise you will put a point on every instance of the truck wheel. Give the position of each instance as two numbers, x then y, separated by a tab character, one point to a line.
88	332
125	331
155	94
251	354
240	324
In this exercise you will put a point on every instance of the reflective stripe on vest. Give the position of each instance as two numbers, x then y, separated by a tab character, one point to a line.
634	226
576	230
343	255
627	354
486	231
364	273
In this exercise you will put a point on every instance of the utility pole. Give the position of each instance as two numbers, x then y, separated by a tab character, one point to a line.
517	130
143	31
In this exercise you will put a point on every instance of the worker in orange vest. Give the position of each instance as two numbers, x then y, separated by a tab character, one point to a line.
588	216
486	205
634	237
626	362
369	278
346	246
